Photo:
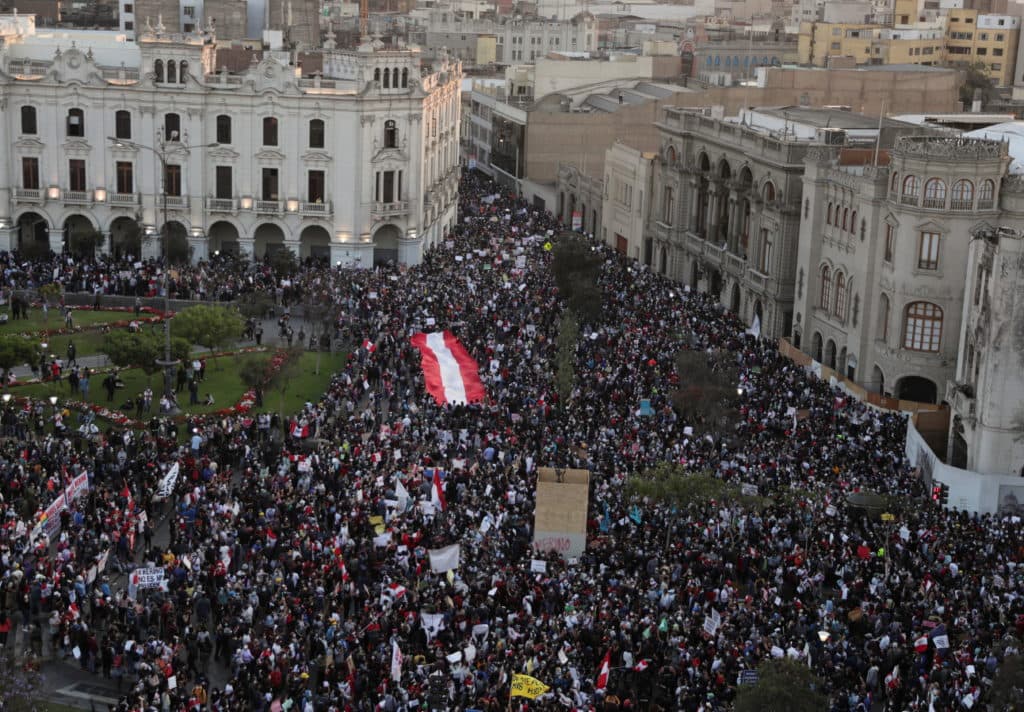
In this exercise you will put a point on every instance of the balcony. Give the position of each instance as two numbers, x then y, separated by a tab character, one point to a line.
908	200
123	198
78	197
735	264
28	195
715	254
757	280
960	205
221	205
269	207
694	243
385	210
934	203
962	398
315	209
174	201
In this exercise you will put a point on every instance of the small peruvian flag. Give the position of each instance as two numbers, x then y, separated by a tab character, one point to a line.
604	671
369	346
642	665
921	644
437	492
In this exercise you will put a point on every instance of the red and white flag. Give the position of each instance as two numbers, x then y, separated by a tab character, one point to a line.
450	373
299	430
437	492
391	593
603	671
921	644
396	662
369	346
642	665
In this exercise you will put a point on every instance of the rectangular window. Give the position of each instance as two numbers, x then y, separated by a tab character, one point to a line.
982	51
188	11
766	252
224	186
129	25
125	177
270	184
76	174
270	131
28	120
30	173
388	188
123	124
129	8
316	187
890	243
997	52
928	251
172	180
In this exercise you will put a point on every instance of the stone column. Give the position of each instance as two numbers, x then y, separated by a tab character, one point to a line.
711	219
8	236
691	222
199	247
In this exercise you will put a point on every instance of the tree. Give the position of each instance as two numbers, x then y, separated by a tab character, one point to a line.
142	349
565	360
209	326
255	305
1007	691
50	293
707	389
783	685
284	263
576	267
279	380
977	79
16	351
84	244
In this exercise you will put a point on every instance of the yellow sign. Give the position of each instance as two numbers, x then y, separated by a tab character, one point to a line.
378	524
886	517
526	686
548	246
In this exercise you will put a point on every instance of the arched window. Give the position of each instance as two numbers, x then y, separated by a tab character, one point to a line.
376	74
846	218
768	192
853	221
158	70
935	193
894	183
986	194
826	287
828	215
76	122
269	131
883	317
387	77
840	310
390	134
183	72
223	128
922	327
172	127
962	195
172	74
670	155
316	133
911	186
28	120
405	77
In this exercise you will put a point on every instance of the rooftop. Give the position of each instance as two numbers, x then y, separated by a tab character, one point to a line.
1010	132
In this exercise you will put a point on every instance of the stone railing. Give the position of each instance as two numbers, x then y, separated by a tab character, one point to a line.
954	148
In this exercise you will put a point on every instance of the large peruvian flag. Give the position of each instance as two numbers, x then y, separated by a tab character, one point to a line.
450	372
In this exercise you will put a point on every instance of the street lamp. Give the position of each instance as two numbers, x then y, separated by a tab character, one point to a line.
167	363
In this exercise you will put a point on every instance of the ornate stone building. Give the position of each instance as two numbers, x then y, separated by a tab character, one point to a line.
356	164
726	213
883	257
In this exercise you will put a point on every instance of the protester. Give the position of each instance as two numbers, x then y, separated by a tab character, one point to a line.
296	562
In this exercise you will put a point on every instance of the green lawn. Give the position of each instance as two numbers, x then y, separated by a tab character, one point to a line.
223	381
35	321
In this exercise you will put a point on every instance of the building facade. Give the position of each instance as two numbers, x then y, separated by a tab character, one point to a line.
987	392
883	256
628	181
358	165
973	38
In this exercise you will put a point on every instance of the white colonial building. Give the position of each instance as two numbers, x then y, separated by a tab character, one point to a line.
356	164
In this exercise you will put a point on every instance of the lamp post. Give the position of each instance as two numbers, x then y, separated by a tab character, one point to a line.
167	362
7	402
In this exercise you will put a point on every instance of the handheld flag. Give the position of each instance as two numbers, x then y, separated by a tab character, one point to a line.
604	671
437	492
528	687
396	662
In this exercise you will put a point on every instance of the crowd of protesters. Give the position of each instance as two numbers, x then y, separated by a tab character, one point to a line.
294	565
